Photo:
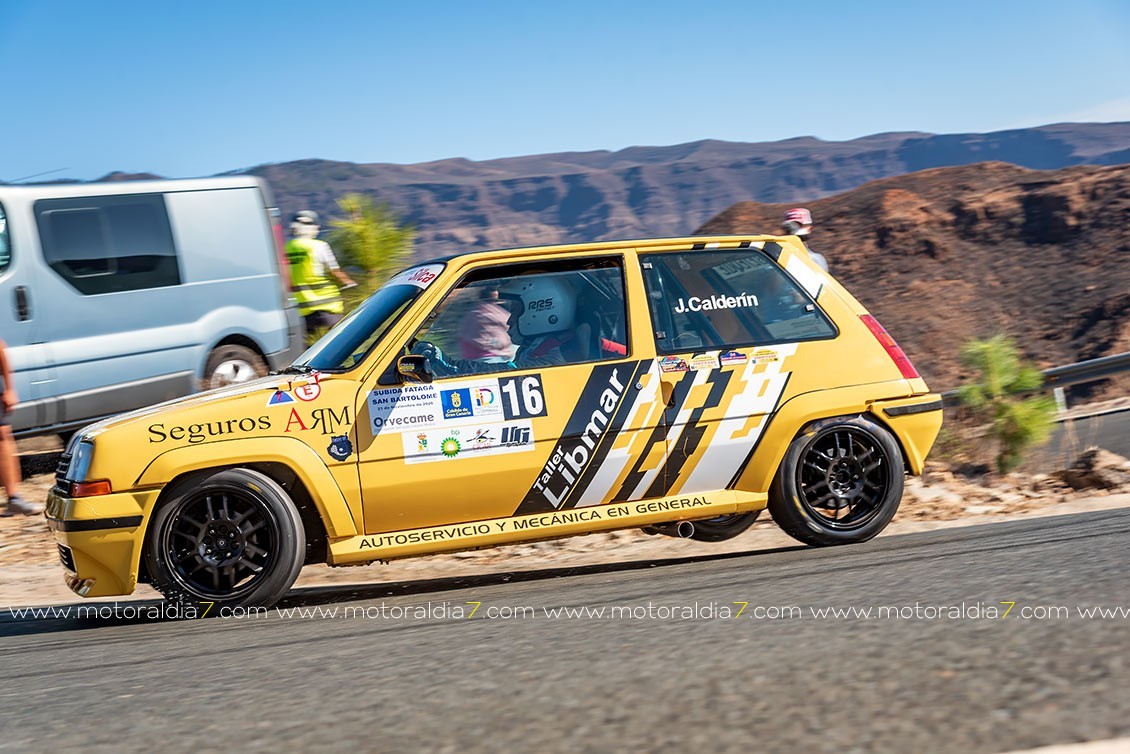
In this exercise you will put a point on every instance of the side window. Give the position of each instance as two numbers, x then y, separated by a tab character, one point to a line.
107	244
5	244
526	316
719	299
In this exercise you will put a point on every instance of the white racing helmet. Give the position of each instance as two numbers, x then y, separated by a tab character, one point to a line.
548	304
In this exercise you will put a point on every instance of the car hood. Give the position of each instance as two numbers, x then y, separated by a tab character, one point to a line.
233	393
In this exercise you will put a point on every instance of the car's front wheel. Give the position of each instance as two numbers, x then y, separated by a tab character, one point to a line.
840	482
230	538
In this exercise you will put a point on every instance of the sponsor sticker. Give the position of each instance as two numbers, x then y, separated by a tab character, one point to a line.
415	408
764	356
404	409
311	390
469	441
280	398
732	357
340	447
456	403
673	364
703	361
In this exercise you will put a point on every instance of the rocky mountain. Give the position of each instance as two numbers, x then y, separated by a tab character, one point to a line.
948	254
459	204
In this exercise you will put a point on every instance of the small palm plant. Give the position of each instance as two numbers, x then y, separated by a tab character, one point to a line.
370	238
1015	422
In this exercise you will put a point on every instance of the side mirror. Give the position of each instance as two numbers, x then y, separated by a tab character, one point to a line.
414	368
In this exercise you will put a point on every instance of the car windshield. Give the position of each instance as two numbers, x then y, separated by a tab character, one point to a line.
350	340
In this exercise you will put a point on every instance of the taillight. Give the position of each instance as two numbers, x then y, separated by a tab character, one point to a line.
901	361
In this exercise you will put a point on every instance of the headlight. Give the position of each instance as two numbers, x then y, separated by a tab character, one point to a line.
80	462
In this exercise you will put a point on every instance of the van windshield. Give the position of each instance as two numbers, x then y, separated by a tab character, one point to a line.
350	340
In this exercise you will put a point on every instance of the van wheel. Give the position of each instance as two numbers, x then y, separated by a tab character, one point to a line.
230	365
721	528
839	483
230	538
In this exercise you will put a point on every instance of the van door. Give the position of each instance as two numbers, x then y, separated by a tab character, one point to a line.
21	310
538	402
116	334
730	328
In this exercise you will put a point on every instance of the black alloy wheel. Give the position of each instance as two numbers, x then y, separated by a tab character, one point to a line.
231	537
840	482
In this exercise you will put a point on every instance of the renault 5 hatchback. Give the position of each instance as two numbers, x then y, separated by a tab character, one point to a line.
677	385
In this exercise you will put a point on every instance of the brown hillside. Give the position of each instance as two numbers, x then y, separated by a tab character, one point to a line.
944	255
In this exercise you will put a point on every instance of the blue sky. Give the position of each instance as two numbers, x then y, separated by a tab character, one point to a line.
186	89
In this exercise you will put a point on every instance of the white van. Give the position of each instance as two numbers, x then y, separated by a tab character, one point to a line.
119	295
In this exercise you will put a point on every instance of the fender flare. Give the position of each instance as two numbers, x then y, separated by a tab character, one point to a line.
288	451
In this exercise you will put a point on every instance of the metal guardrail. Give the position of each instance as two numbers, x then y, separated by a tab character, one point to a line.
1071	374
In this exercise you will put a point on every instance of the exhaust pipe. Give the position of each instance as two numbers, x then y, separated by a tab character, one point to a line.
677	529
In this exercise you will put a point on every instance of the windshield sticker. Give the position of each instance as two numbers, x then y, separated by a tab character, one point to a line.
470	441
696	304
732	357
673	364
704	361
421	277
739	266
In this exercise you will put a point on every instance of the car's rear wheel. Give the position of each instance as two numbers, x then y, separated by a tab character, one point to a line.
721	528
840	482
231	538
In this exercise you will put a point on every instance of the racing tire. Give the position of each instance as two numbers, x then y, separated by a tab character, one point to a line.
721	528
228	538
839	483
231	364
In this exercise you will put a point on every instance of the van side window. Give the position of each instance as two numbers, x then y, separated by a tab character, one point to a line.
721	299
5	246
106	244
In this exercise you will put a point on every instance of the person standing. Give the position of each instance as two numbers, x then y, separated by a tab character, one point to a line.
9	462
798	222
313	268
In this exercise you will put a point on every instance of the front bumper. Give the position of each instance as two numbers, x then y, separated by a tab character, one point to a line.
100	539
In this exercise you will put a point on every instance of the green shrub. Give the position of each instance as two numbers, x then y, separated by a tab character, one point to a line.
1015	423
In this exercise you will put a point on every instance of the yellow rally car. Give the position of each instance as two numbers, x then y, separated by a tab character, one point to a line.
679	385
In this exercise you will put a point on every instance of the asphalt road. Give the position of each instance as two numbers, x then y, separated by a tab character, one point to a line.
799	683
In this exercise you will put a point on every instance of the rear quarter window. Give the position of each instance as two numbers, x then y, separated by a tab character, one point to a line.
721	299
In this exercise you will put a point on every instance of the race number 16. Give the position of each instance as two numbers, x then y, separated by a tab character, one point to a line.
523	397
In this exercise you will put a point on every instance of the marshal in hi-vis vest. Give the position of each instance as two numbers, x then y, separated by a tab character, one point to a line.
314	292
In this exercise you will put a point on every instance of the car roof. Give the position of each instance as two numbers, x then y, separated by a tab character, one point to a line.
642	245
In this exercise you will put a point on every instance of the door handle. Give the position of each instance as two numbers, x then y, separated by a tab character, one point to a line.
23	310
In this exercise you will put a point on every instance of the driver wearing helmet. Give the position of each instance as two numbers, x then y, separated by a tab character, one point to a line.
543	312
